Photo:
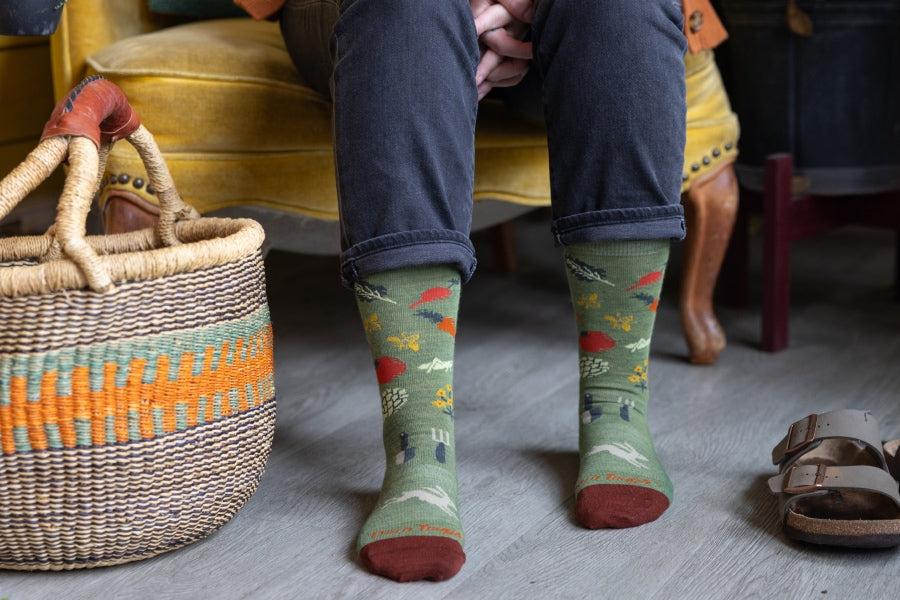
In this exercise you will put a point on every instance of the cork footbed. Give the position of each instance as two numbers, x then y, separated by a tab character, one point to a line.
851	518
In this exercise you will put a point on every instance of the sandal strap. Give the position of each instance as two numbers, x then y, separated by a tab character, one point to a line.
892	457
801	481
809	432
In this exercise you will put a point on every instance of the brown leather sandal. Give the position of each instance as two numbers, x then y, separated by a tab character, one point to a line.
836	481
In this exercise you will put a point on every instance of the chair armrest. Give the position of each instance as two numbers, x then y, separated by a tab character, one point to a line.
87	26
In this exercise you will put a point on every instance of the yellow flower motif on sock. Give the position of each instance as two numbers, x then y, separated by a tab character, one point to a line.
620	322
445	400
639	379
589	301
371	324
405	341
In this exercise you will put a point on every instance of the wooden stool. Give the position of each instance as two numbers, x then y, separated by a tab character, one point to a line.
790	215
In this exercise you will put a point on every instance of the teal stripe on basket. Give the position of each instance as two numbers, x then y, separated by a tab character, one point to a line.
158	428
217	405
181	415
110	429
83	432
54	440
173	344
20	437
134	425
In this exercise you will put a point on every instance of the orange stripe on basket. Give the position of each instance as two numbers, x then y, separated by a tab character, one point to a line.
180	392
241	388
244	369
7	443
49	405
133	388
65	407
17	395
37	437
103	404
150	396
81	392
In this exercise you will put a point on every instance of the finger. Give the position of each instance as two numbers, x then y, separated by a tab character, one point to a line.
479	6
508	69
523	10
504	44
490	60
484	88
509	82
494	17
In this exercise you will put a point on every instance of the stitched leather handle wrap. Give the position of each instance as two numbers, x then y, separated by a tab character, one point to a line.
96	109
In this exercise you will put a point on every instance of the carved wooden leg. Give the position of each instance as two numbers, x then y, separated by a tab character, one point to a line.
710	207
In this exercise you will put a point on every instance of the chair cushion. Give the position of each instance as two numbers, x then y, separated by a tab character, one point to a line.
237	124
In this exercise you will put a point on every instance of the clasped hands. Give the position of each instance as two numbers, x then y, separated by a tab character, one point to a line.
501	25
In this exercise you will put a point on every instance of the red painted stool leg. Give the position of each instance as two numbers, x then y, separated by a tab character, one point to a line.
776	252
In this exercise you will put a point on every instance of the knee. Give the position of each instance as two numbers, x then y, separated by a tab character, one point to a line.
422	27
633	32
599	19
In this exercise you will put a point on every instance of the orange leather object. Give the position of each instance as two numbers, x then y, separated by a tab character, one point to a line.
702	26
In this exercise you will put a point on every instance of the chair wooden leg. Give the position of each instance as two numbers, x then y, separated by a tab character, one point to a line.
776	276
503	247
710	209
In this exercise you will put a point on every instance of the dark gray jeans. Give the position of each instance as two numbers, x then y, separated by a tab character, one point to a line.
610	81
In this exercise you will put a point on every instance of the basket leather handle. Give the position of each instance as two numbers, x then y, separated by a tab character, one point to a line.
82	128
96	109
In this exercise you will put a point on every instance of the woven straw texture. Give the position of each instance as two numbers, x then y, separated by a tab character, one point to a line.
137	399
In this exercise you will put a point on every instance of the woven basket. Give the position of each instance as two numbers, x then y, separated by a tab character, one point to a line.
137	401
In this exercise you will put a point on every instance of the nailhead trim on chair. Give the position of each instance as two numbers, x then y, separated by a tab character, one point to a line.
124	178
706	161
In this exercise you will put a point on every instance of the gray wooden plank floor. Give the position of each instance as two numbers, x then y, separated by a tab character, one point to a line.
516	441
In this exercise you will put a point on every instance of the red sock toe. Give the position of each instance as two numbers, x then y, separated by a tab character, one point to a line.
618	506
414	558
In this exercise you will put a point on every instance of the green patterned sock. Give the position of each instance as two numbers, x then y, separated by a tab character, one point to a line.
409	316
615	290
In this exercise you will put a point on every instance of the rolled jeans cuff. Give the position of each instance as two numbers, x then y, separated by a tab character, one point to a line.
642	223
408	249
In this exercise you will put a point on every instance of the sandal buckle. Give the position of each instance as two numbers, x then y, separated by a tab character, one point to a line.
812	421
804	488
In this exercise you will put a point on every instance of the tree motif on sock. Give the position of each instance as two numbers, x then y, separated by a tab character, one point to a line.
391	400
591	366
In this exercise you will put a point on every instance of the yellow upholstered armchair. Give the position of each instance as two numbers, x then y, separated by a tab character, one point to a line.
245	136
240	130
